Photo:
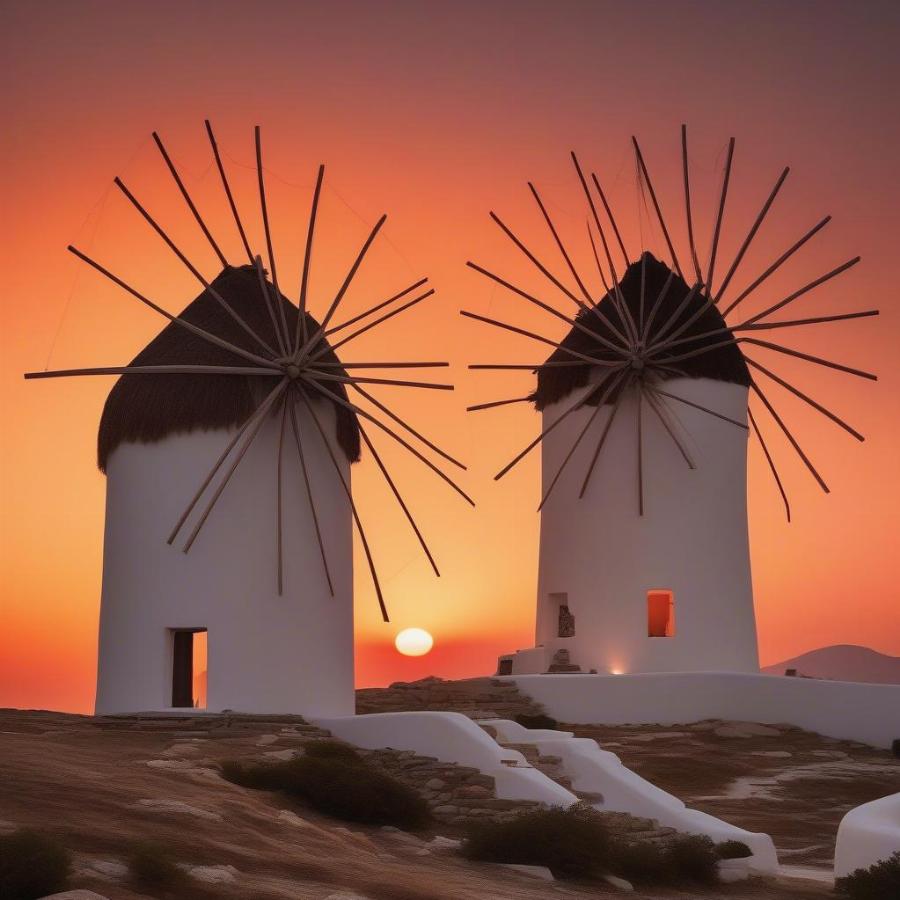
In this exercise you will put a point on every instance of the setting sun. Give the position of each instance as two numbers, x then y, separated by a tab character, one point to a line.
414	642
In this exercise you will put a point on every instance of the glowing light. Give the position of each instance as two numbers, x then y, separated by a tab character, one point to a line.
414	642
615	671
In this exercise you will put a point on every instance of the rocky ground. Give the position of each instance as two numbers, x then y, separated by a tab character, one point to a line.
102	786
791	784
794	785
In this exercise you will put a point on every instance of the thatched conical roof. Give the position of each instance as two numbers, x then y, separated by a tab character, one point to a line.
721	364
149	408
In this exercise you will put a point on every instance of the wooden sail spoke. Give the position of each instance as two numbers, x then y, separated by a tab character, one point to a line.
618	300
658	408
657	389
643	292
334	398
269	249
787	432
298	440
375	308
603	280
660	337
798	393
666	345
687	204
353	510
360	379
598	449
656	207
269	303
575	323
157	370
640	451
560	245
777	264
717	229
672	370
407	427
187	199
324	364
656	356
495	403
818	360
318	354
749	325
614	298
774	471
310	343
300	336
279	561
537	337
590	390
553	363
537	263
614	380
250	436
816	320
611	217
749	239
399	498
657	303
257	415
191	267
804	290
183	323
227	187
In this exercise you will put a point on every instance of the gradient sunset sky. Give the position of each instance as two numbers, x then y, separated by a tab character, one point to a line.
436	113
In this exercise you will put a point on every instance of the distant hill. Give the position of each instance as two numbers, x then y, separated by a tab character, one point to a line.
843	662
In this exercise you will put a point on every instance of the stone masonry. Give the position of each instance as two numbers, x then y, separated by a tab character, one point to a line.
478	698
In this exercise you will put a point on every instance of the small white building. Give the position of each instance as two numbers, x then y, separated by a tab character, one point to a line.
171	621
666	588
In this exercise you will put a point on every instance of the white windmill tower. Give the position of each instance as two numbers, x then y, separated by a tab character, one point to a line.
644	551
247	382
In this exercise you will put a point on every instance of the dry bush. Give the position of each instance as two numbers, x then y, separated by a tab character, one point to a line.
32	865
337	785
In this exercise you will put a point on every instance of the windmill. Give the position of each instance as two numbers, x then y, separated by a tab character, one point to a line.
647	403
231	436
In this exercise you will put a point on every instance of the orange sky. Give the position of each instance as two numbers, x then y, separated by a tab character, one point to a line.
436	113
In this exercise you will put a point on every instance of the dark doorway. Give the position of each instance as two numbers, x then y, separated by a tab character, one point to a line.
187	645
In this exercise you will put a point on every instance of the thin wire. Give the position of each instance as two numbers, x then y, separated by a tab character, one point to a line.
99	207
330	188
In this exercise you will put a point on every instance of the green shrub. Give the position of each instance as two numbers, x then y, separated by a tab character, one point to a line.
331	750
345	788
643	863
692	857
572	843
733	850
537	721
878	882
152	868
32	865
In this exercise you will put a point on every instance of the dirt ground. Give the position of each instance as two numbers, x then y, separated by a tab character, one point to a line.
794	785
100	790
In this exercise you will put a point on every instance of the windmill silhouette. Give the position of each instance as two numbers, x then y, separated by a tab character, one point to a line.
647	402
244	379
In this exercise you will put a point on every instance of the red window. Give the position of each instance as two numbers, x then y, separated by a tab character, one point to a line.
660	613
